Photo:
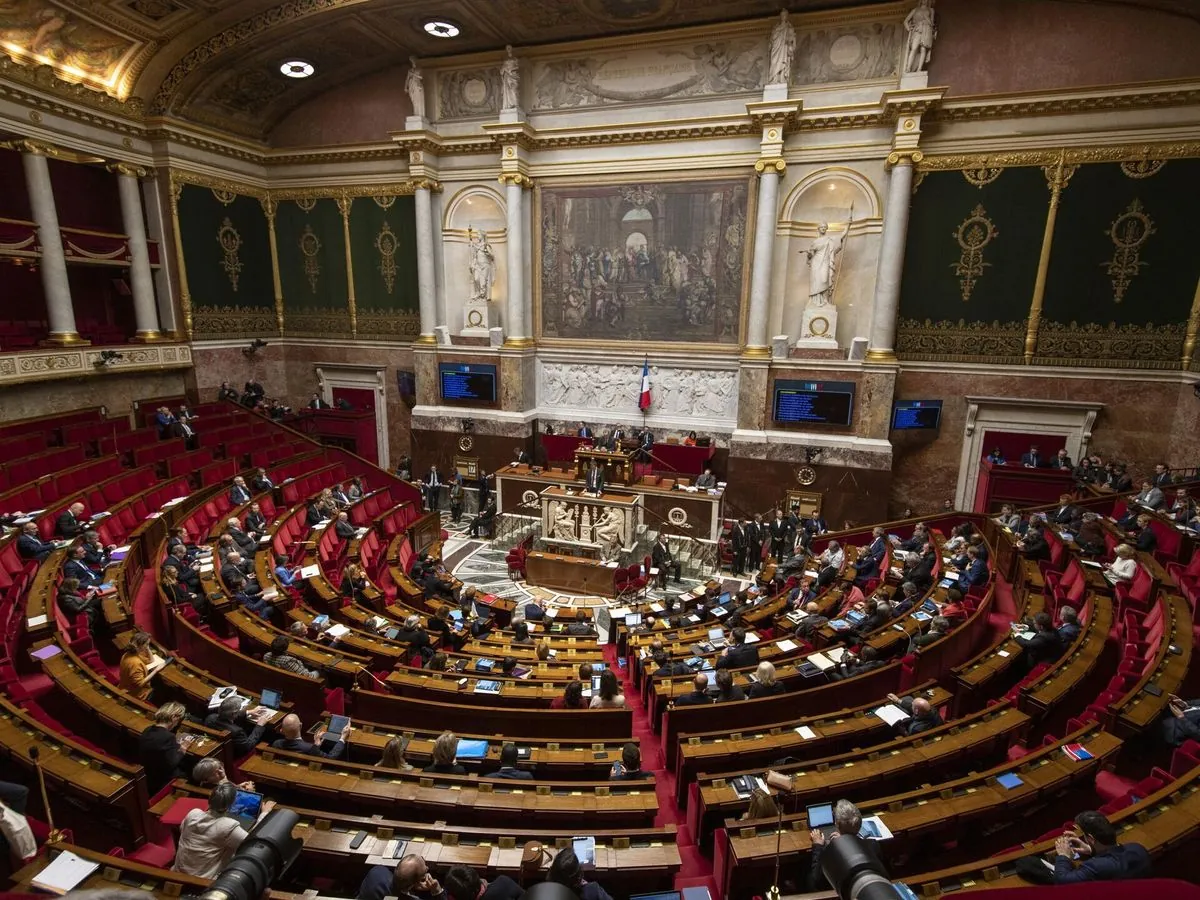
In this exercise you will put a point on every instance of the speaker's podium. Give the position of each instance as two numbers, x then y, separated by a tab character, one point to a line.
617	466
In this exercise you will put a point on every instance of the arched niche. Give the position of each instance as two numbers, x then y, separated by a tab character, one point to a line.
478	207
827	195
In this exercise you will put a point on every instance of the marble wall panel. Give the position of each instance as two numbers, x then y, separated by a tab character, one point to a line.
114	390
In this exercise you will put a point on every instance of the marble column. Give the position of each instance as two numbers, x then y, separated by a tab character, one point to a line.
891	259
764	250
55	285
145	306
515	317
426	280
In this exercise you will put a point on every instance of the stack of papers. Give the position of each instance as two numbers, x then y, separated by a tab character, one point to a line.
891	714
821	661
66	873
336	631
310	571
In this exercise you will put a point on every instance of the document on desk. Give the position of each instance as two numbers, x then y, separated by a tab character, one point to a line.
336	631
786	646
891	713
64	874
805	732
874	829
821	661
836	653
310	571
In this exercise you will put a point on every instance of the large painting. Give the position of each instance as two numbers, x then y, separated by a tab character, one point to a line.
643	262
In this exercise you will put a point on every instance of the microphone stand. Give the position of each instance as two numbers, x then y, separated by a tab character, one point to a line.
773	893
55	836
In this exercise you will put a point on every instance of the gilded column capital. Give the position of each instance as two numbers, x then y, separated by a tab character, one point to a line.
908	157
427	184
124	168
771	164
38	148
520	179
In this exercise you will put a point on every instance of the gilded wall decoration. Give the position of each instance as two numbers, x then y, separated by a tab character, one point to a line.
385	323
1142	168
697	69
224	197
231	243
310	247
386	244
233	321
1115	346
855	52
656	261
1129	233
1002	343
467	93
973	236
317	321
982	175
306	203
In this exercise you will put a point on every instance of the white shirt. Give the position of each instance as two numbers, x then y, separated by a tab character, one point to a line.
206	843
1124	569
834	558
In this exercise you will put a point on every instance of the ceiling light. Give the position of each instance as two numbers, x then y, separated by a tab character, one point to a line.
441	29
297	68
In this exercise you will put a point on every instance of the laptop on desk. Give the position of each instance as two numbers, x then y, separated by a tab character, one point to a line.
820	817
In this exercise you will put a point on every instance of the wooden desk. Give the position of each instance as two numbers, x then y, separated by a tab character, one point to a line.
572	574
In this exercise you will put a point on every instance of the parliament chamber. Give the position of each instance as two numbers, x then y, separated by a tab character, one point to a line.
599	449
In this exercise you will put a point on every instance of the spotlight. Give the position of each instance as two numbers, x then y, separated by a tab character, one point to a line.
297	68
255	345
441	29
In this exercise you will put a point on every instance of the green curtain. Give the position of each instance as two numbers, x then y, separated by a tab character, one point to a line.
226	249
383	241
312	267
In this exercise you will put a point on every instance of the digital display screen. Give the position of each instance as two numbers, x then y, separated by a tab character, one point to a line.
814	402
468	383
909	415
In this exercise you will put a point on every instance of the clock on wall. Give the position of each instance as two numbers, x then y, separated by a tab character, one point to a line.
466	443
806	474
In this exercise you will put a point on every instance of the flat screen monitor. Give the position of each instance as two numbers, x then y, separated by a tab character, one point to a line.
463	383
814	402
916	415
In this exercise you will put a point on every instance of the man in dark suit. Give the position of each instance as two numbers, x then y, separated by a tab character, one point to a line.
246	544
243	734
1066	512
922	715
756	534
1032	459
1162	476
255	523
76	567
779	531
581	627
1100	857
520	456
69	524
645	445
95	554
30	545
238	493
868	562
342	527
159	751
236	566
290	728
938	628
508	765
1034	545
177	560
1045	645
662	559
584	431
1181	722
1068	628
262	481
483	521
595	479
432	486
699	695
315	402
1062	461
738	543
739	654
976	572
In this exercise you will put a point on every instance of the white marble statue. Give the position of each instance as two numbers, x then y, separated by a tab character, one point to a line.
483	266
922	29
608	532
510	82
414	84
823	257
564	523
783	48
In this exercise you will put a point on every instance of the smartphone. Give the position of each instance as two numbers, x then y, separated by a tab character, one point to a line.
600	755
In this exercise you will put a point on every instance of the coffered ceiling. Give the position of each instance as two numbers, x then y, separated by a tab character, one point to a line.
217	61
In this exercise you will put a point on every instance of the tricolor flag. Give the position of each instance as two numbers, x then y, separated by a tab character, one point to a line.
644	399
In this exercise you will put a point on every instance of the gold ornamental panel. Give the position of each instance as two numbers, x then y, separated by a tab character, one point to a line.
999	343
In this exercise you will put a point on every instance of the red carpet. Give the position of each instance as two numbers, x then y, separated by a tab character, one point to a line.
696	869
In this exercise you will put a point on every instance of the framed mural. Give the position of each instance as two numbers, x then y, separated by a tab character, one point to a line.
661	262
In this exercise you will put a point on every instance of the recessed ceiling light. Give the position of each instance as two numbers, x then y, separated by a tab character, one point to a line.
297	68
441	29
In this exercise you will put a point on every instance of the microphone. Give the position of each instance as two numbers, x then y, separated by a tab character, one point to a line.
55	836
364	669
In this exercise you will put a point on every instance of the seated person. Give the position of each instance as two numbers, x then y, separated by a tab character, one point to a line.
765	684
879	614
355	583
1124	565
1146	540
236	566
286	575
261	481
73	600
572	697
954	610
846	820
184	573
566	870
255	523
1008	518
464	883
975	574
247	544
1033	545
609	696
135	675
707	480
738	654
71	524
851	665
726	690
905	598
254	603
1181	721
410	880
922	715
230	716
508	764
208	838
31	546
1045	646
1089	537
291	740
445	756
279	657
1069	628
630	766
581	627
483	521
209	772
996	457
238	492
939	627
1101	858
699	695
343	528
690	440
158	749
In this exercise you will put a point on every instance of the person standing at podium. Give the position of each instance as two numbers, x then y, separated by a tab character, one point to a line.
595	479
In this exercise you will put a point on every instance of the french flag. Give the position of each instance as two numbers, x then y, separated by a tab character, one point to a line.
644	399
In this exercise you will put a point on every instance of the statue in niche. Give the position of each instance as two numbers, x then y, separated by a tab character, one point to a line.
608	532
483	266
823	257
922	30
783	49
510	82
414	84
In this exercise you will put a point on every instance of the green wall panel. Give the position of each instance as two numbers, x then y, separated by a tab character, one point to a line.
312	267
383	240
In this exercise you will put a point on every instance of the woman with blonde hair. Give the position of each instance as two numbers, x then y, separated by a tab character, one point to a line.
445	756
762	806
393	755
766	685
1124	566
135	664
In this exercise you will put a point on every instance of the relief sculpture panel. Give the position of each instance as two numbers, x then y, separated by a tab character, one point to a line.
587	389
